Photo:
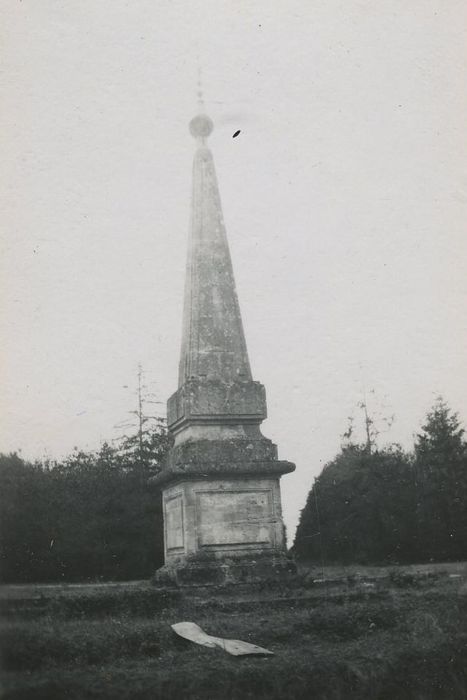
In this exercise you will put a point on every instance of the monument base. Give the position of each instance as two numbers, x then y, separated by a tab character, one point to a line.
203	570
223	530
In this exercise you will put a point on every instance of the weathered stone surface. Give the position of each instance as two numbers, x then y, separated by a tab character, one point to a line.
198	470
226	451
222	515
213	342
175	531
212	400
250	569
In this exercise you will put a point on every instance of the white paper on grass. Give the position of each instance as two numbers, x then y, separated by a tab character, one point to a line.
194	633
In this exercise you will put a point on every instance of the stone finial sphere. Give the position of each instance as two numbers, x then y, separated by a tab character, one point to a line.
201	126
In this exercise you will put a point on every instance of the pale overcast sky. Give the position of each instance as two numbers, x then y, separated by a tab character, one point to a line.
344	197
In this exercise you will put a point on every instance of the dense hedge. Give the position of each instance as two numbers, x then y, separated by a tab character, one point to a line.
377	506
90	517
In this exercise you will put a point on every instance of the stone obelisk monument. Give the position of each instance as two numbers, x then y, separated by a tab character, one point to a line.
220	487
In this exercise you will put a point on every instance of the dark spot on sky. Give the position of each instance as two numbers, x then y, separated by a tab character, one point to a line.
236	134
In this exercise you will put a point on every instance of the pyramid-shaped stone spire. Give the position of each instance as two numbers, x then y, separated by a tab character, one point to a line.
215	383
213	344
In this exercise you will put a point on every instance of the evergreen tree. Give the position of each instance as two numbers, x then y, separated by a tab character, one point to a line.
441	466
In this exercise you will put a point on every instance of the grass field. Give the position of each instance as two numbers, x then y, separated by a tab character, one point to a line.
367	633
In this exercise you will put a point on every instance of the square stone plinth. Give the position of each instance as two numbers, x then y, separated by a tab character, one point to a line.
223	530
223	517
220	531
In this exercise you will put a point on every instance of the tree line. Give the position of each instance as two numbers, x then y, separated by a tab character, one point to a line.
90	516
93	515
380	506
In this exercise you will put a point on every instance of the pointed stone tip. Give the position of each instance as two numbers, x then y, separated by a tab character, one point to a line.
201	126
